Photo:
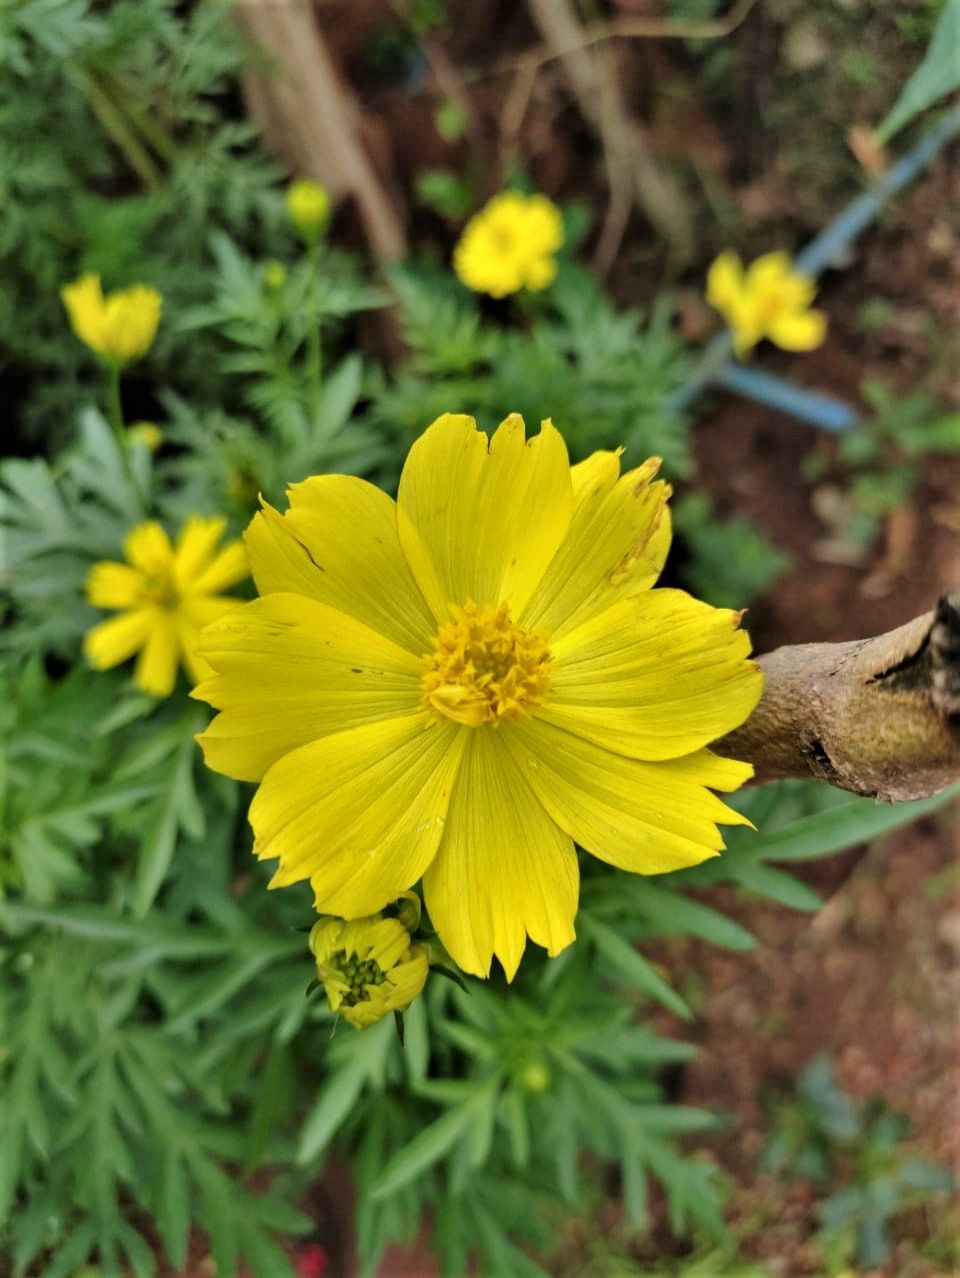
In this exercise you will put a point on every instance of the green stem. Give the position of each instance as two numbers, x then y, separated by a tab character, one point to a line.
314	344
115	418
114	402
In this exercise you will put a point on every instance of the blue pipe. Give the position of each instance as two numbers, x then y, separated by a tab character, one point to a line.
810	406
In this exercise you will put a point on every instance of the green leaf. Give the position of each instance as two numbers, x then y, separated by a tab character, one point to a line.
339	1094
430	1145
852	821
671	912
341	391
173	1207
631	965
176	808
778	886
937	75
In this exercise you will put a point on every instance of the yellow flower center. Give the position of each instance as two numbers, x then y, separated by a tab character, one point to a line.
503	239
160	589
359	974
484	668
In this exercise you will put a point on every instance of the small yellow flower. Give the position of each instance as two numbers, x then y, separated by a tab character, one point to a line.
509	245
121	326
459	685
166	595
147	434
770	299
368	967
309	207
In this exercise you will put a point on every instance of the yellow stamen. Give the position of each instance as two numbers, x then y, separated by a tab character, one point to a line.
484	668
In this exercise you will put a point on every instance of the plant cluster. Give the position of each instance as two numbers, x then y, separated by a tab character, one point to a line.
857	1158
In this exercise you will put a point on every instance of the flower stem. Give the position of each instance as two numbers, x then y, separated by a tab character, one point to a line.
114	402
115	418
314	344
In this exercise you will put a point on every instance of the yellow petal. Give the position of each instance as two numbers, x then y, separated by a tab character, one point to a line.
595	475
111	585
224	571
614	548
360	813
767	273
482	523
542	225
195	613
648	818
156	668
539	273
115	640
504	870
130	320
798	331
725	281
85	308
196	546
291	670
338	544
654	677
148	548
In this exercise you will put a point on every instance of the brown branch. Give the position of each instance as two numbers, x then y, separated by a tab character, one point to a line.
309	116
631	169
880	717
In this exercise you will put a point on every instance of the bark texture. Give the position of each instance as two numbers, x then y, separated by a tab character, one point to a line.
879	717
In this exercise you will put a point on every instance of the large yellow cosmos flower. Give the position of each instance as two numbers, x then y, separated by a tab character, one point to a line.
461	685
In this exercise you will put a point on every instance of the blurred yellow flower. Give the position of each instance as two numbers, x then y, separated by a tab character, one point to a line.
309	207
368	967
509	245
770	299
121	326
148	434
166	596
460	684
274	273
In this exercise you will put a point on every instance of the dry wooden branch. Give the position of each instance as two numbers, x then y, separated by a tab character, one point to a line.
880	717
310	118
631	170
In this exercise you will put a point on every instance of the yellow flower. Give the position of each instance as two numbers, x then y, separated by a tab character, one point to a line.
509	245
770	299
148	434
459	684
368	967
166	596
309	207
120	327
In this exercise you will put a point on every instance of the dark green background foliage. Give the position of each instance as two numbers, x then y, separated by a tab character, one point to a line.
160	1066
